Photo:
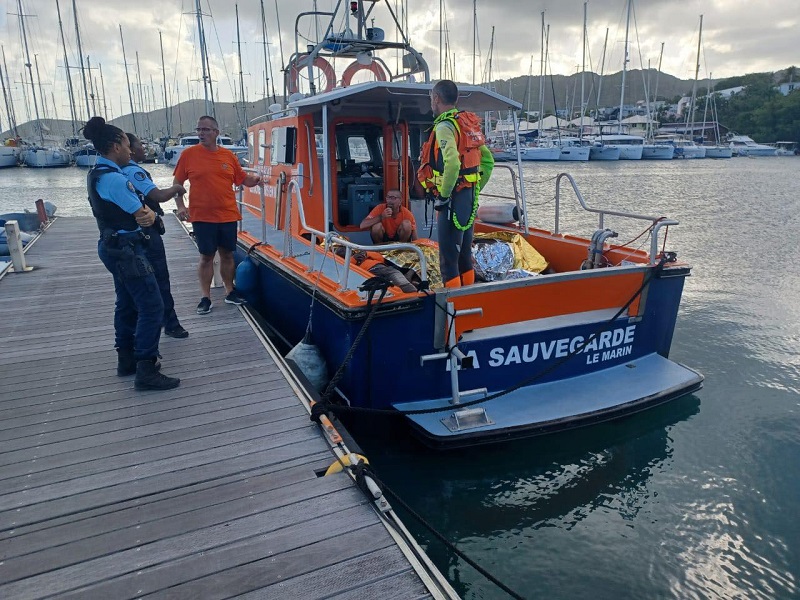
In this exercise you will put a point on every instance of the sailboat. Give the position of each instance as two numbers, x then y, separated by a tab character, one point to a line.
597	147
685	147
39	156
653	149
544	150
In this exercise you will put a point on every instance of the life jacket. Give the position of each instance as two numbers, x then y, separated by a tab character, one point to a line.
469	139
107	214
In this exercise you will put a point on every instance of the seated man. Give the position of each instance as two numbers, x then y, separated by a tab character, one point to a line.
390	222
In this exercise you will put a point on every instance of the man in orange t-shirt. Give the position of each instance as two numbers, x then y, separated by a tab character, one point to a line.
390	222
212	172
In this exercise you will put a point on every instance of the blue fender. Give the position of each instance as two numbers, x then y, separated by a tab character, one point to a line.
246	276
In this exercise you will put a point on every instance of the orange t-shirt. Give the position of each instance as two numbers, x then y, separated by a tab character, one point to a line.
391	224
211	175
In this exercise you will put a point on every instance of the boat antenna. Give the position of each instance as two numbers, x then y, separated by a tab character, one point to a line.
127	79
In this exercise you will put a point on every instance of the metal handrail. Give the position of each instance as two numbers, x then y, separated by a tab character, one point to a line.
240	201
523	222
657	222
294	187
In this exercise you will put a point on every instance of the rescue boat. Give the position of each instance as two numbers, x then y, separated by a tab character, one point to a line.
584	340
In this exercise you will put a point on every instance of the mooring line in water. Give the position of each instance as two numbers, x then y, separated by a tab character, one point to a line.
321	407
373	488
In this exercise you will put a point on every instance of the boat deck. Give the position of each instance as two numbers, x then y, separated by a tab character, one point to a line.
206	491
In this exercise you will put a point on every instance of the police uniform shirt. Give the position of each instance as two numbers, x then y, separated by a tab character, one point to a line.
138	177
115	187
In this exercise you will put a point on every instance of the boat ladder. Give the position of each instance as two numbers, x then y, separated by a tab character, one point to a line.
465	418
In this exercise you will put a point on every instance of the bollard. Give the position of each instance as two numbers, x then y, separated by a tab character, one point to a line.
43	219
15	247
216	282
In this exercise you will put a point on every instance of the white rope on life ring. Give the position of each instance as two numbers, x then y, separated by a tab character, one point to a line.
355	66
320	63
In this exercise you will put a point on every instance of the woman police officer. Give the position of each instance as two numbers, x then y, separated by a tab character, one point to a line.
120	216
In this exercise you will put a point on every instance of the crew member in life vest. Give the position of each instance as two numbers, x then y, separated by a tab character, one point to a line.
455	164
390	222
120	215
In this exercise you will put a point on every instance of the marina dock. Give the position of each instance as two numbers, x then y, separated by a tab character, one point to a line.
210	490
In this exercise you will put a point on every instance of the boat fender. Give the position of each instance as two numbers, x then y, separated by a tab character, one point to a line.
336	467
299	63
499	214
311	363
355	66
246	276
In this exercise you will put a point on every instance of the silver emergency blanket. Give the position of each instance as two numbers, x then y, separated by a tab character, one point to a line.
492	259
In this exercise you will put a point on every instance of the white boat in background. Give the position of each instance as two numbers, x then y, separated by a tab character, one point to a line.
786	148
743	145
85	156
630	146
600	151
172	153
571	149
43	158
688	149
718	151
658	151
542	153
9	156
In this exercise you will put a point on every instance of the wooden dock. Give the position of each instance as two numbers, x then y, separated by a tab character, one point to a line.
210	490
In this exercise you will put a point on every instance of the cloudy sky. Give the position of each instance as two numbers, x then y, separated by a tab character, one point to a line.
739	36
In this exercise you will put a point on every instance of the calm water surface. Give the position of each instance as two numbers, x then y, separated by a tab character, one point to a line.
696	499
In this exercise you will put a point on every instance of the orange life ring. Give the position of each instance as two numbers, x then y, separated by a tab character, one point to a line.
355	66
320	63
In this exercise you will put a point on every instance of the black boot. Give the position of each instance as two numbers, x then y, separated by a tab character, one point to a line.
148	377
126	363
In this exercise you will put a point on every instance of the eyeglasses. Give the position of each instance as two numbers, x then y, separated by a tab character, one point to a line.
393	196
204	129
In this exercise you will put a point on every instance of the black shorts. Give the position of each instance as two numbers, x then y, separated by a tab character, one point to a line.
210	236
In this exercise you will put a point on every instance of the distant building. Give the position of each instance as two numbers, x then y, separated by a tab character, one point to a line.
727	93
787	88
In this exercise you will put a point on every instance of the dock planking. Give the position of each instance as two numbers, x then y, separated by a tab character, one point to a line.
209	490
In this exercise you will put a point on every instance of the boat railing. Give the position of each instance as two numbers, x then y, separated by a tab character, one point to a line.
261	208
330	238
523	222
657	222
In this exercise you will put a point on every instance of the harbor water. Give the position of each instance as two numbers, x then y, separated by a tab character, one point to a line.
695	499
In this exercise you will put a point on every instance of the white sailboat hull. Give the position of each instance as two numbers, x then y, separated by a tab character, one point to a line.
536	153
41	158
574	153
657	152
603	153
9	156
718	152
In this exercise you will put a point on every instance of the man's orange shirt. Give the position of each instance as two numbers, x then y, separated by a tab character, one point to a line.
211	175
391	224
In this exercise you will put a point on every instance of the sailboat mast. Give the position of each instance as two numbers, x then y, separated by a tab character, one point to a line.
694	83
30	71
441	35
70	91
624	69
474	36
583	73
91	85
127	79
141	101
202	40
80	55
241	72
541	79
268	79
103	91
41	92
12	119
164	76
